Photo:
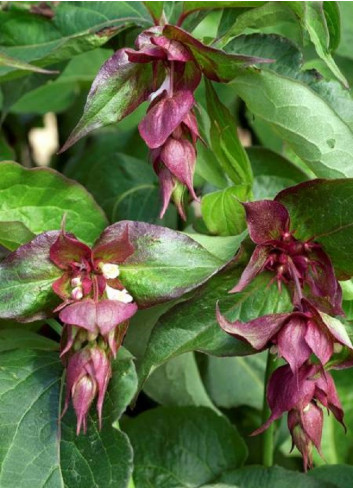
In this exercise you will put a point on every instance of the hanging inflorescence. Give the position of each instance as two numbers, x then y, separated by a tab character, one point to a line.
307	337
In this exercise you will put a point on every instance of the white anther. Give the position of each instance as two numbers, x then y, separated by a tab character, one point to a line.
77	293
118	295
307	407
110	270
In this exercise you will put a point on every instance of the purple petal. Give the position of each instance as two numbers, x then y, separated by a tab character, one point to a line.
255	266
113	249
83	394
179	156
102	375
164	117
68	250
104	315
146	55
175	51
291	342
167	185
312	419
326	393
187	76
258	332
319	341
267	220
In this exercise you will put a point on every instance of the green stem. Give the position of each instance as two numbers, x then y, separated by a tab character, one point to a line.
267	437
55	325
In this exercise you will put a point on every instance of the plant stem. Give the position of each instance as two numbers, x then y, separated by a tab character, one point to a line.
55	325
267	437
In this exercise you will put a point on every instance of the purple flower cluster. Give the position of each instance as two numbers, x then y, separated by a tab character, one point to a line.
95	311
305	337
170	127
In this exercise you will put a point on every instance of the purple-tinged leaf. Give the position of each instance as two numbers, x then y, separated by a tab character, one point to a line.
255	266
291	342
114	251
258	332
337	329
165	264
67	250
26	278
118	89
164	117
215	64
266	220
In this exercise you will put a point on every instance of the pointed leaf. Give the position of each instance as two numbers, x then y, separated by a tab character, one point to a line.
117	90
165	264
22	65
215	64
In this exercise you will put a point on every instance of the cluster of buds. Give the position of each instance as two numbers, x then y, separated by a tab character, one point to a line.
170	127
95	312
307	337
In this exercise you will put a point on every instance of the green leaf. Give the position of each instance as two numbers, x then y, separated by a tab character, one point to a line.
344	48
38	199
75	28
165	264
257	476
224	140
233	382
313	130
337	475
222	211
224	247
155	9
320	209
178	383
333	21
192	325
314	20
183	447
289	62
29	394
13	234
21	65
11	339
123	385
31	297
30	432
272	172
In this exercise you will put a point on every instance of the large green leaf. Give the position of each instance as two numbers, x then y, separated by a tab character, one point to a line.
313	130
321	209
192	325
225	142
76	27
233	382
39	198
165	264
29	394
30	433
178	383
272	172
257	476
12	338
222	210
13	234
183	447
337	475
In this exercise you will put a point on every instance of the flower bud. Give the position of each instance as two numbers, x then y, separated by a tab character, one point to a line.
83	393
76	282
77	293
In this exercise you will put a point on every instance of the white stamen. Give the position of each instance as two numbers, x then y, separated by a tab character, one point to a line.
307	407
110	270
77	293
118	295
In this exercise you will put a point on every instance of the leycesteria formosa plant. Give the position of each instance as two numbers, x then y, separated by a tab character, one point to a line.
307	337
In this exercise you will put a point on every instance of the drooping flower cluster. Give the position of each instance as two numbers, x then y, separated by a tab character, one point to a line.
95	311
305	338
170	127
